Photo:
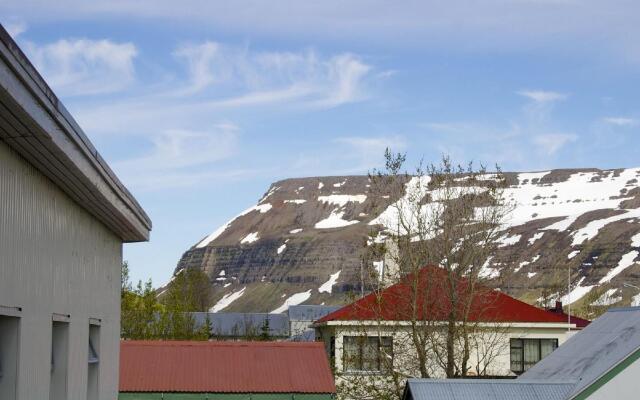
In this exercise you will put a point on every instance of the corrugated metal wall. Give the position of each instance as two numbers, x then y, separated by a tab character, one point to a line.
56	258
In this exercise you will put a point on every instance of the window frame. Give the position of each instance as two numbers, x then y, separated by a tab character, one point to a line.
525	365
10	359
361	343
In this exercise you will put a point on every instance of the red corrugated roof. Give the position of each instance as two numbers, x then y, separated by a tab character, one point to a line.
224	367
395	303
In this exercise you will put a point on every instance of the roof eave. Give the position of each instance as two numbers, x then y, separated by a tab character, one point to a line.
50	139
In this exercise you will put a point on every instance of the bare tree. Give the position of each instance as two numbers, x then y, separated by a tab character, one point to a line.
448	217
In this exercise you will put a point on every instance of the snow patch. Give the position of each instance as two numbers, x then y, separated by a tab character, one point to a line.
281	248
294	231
320	185
250	238
635	300
607	298
339	184
328	285
593	227
227	284
535	237
342	199
227	299
531	274
334	220
296	201
293	300
508	240
379	267
569	199
625	262
573	254
577	293
488	272
262	208
635	240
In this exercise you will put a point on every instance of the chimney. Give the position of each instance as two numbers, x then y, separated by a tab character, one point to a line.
558	308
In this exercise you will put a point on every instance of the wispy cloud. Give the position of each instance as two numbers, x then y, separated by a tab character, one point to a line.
76	67
255	78
551	143
621	121
349	155
542	96
180	158
15	28
219	77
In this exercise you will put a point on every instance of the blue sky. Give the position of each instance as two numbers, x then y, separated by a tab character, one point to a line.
199	105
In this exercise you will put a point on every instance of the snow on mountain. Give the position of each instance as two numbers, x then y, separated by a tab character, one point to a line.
586	221
328	285
293	300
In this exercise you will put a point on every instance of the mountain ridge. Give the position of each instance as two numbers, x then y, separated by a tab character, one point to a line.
303	231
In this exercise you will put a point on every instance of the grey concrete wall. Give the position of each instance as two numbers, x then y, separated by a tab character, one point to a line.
56	259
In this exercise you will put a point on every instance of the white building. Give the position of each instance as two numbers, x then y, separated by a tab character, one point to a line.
64	216
600	362
372	336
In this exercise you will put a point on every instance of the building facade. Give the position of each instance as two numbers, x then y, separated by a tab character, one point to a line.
375	337
63	219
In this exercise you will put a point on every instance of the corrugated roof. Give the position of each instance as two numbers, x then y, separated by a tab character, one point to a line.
224	367
481	389
593	351
243	324
395	303
309	312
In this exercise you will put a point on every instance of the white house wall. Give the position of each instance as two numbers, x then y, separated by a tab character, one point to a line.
56	259
500	365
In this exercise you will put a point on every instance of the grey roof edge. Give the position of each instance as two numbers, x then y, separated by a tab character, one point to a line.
491	381
606	376
624	309
104	195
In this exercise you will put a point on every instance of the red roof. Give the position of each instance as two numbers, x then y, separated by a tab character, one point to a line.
395	303
224	367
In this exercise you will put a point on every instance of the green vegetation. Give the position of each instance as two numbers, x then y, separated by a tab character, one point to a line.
144	316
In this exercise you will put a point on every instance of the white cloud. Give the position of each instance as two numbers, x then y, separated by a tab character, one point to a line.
256	78
222	77
15	28
199	59
541	96
551	143
621	121
180	157
84	67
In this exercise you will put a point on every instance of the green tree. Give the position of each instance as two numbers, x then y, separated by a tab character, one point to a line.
143	316
264	330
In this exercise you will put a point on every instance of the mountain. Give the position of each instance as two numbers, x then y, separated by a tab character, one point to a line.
303	241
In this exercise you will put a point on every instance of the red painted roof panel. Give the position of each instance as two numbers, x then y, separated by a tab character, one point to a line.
224	367
423	298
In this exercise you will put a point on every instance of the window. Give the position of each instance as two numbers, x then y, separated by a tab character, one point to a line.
59	360
525	353
367	354
332	352
93	370
9	334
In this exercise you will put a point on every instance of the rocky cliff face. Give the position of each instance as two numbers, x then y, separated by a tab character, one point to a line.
303	241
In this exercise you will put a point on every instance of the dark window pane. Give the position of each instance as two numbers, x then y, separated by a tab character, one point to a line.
351	354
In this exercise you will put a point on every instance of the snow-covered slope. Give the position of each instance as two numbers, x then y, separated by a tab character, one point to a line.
303	240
